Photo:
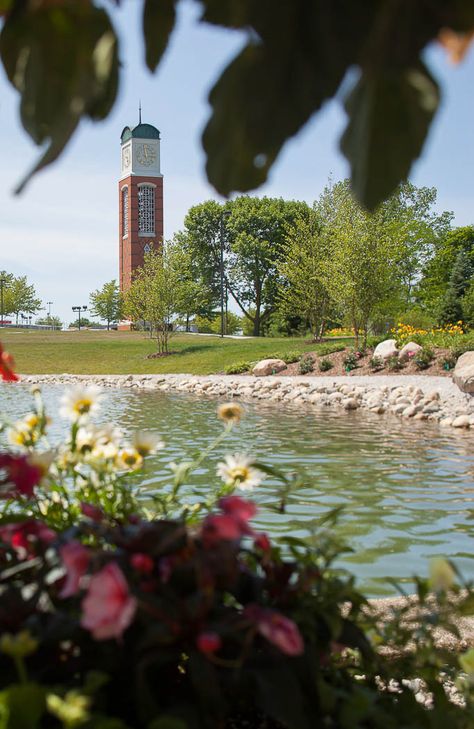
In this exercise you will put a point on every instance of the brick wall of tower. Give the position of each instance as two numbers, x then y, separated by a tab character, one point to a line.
131	247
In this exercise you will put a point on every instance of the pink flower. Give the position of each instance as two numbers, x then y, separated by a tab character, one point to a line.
17	476
24	536
93	512
230	525
217	527
277	629
142	562
108	607
208	642
238	508
75	559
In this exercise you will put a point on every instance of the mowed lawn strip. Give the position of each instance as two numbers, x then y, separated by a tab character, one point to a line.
102	352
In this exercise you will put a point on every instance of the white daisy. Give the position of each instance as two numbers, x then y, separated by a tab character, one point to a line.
238	470
79	402
146	442
129	458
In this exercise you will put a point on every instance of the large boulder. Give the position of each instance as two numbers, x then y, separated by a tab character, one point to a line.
268	367
463	374
409	350
386	349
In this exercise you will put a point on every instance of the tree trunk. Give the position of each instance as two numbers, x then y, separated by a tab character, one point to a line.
108	324
187	322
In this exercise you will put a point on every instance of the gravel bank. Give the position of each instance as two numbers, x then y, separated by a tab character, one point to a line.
419	397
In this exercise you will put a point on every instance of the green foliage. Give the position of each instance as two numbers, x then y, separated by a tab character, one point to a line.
107	303
376	363
18	295
328	348
393	363
351	360
467	305
51	321
238	368
251	231
449	362
288	357
232	324
62	58
423	358
459	282
303	288
85	322
325	365
157	293
306	364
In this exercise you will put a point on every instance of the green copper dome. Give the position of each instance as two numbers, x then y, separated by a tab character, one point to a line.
141	131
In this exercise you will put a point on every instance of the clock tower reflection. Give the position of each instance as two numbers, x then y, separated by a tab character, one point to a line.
140	198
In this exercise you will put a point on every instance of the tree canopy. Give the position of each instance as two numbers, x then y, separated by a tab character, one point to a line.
62	57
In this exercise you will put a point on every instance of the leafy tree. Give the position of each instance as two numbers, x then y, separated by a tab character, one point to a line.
232	324
106	303
198	295
155	295
19	296
361	256
431	291
62	58
251	231
7	280
85	323
52	321
303	291
459	282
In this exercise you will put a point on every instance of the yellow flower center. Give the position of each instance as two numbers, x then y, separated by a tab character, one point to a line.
81	407
241	473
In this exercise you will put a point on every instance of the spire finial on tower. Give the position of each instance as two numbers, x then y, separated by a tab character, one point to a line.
140	111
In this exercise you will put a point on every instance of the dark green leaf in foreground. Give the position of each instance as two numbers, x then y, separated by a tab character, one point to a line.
158	22
389	117
295	60
63	61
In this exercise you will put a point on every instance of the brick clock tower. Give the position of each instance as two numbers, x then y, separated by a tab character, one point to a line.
140	198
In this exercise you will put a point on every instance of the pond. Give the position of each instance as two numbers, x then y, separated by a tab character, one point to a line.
407	487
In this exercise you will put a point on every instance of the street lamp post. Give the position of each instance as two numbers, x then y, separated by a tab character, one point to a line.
49	311
225	214
78	309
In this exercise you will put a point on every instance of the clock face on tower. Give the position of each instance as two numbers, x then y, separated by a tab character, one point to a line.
126	158
146	154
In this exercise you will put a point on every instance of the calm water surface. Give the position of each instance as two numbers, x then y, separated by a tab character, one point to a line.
407	487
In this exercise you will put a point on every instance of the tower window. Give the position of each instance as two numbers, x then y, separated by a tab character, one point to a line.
146	209
125	212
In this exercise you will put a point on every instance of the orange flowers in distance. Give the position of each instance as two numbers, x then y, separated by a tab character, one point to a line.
6	366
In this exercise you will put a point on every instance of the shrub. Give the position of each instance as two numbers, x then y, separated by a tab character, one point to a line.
376	363
323	349
238	368
423	358
393	363
325	365
290	357
449	362
306	364
351	359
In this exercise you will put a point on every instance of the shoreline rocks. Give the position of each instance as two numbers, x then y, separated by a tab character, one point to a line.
434	399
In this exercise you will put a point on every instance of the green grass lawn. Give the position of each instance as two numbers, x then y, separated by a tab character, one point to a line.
102	352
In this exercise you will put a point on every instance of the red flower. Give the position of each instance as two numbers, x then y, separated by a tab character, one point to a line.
23	536
208	642
75	559
93	512
6	367
238	508
262	542
277	629
142	563
108	607
17	476
232	524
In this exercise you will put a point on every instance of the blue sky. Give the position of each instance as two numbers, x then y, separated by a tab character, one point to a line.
62	231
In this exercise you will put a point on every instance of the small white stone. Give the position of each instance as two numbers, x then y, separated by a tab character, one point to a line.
462	421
